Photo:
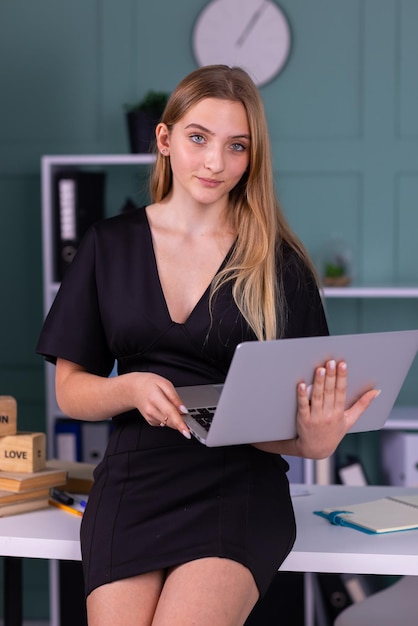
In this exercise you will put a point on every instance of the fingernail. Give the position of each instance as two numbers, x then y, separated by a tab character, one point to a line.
186	434
378	392
322	371
331	364
183	409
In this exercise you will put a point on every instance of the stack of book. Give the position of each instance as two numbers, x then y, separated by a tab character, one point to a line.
79	475
25	478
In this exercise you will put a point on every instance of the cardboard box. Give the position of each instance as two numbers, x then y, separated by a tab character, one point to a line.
23	452
400	458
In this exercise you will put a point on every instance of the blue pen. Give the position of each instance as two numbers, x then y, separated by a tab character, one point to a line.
80	501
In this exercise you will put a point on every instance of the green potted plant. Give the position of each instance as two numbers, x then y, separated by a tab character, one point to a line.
336	274
142	118
336	263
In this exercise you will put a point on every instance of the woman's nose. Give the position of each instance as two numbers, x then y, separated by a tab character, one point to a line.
214	159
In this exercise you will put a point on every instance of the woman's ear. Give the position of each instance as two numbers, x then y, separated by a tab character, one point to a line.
163	139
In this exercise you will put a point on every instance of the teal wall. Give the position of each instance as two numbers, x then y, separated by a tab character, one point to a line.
344	130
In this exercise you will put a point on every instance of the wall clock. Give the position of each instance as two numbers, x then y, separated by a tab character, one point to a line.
253	34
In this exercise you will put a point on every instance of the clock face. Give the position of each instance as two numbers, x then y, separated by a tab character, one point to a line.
252	34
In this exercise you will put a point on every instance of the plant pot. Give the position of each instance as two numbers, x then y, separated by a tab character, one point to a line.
141	130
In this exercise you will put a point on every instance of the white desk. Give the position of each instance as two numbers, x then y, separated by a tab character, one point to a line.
46	534
319	546
323	547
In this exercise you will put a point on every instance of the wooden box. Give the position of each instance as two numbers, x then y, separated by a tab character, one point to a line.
23	452
8	415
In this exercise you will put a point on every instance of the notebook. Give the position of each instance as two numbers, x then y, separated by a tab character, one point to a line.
258	403
384	515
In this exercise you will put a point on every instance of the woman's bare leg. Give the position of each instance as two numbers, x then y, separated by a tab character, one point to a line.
127	602
206	592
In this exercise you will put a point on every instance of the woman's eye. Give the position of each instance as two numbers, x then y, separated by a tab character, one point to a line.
197	138
238	147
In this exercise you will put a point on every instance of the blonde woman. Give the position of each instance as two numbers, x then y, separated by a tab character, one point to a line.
175	533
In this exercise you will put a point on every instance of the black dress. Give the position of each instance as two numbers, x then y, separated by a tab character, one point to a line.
158	498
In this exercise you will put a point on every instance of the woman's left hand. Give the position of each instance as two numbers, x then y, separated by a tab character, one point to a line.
322	419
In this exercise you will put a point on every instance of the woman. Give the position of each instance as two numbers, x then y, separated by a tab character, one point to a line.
176	533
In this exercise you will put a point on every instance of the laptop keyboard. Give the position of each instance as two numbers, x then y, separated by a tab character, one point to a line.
203	415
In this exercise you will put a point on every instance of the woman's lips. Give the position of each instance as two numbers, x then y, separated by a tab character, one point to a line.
209	182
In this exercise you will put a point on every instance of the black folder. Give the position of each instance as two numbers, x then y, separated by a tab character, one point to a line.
79	202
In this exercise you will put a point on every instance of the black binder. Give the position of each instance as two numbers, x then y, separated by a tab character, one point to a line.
282	604
78	201
335	594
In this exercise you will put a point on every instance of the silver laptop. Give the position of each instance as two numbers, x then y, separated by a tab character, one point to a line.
258	403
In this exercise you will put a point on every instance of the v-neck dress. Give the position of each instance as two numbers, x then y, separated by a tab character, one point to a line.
159	499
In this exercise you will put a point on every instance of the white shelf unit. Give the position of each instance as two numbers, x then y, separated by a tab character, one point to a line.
382	291
50	165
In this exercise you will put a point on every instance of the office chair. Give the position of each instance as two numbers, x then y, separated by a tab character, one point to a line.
395	605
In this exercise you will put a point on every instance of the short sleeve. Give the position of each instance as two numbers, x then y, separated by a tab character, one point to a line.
73	328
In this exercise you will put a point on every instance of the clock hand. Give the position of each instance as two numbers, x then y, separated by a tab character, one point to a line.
241	39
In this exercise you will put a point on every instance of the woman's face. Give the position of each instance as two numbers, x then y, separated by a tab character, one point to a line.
209	149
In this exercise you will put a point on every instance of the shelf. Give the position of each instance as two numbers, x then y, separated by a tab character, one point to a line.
402	418
98	159
392	291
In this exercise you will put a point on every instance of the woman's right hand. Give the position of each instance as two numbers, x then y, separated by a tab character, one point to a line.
157	400
86	396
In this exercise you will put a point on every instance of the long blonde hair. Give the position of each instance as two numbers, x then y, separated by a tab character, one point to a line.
255	213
